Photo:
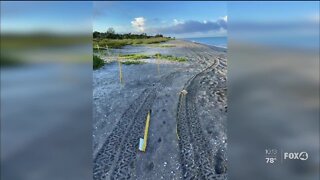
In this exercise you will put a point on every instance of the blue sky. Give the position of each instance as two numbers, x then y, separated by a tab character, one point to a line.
274	11
56	17
178	19
289	24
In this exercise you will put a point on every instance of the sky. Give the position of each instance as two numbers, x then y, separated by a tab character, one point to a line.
53	17
274	11
175	19
291	24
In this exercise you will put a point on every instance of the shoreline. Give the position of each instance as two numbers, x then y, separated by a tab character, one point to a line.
217	48
201	43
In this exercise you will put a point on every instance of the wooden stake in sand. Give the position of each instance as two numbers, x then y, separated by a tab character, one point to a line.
143	142
120	70
158	66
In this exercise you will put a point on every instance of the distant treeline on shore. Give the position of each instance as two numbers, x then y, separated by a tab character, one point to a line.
111	34
111	39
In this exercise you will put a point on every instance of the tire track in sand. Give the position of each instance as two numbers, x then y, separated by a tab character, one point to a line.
116	158
195	154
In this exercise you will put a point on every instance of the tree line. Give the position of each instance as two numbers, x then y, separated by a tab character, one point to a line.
111	34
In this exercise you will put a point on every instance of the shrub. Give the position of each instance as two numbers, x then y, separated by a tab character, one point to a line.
170	57
132	62
134	56
118	43
97	62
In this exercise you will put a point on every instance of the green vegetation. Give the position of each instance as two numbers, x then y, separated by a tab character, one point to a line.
111	34
158	55
110	39
97	62
118	43
134	56
134	59
170	57
129	62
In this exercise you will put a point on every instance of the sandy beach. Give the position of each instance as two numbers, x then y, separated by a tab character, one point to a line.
187	133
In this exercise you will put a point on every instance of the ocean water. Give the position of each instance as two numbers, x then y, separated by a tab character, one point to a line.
214	41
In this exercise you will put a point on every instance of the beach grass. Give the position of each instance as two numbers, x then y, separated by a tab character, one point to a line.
158	56
119	43
97	62
170	57
129	59
130	62
134	56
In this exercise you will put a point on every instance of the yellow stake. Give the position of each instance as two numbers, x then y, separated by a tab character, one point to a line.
146	130
158	64
120	70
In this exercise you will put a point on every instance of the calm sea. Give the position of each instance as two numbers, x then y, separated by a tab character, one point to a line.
214	41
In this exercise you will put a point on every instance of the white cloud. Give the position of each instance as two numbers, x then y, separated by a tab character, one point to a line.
192	26
139	23
225	18
176	22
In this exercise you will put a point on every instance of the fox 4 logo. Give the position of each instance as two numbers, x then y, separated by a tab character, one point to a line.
296	156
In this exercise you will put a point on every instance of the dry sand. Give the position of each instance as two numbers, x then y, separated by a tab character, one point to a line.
187	134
